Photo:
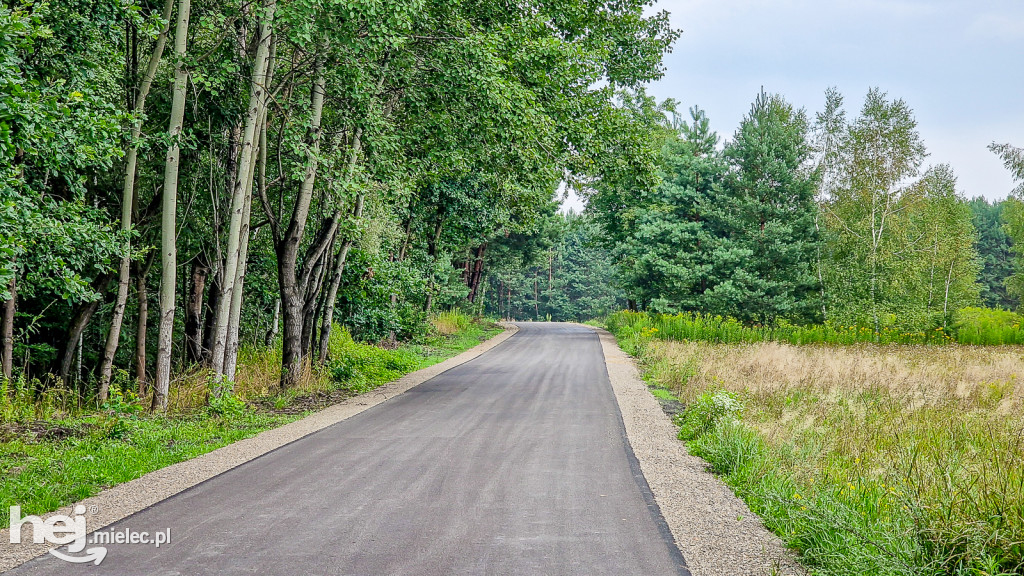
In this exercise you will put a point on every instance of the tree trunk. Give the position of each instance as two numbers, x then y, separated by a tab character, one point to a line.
310	308
536	296
209	333
235	314
243	183
79	321
194	312
127	201
327	320
274	324
142	293
478	270
432	253
292	297
7	331
168	240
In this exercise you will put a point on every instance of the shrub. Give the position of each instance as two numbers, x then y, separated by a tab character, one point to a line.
988	326
707	412
222	399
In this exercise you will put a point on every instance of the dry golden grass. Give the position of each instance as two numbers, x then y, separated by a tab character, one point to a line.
450	322
258	375
975	377
925	443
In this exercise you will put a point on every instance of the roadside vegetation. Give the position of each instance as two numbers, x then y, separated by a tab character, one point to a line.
57	447
977	326
865	458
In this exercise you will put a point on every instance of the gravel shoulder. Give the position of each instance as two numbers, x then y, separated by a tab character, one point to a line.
716	532
126	499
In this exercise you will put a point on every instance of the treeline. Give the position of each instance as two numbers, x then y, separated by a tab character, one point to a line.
827	219
182	177
833	219
561	273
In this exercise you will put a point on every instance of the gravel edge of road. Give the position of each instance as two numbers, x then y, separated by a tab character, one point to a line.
716	531
126	499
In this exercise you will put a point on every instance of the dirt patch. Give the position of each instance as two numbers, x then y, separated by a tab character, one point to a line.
41	431
671	408
306	403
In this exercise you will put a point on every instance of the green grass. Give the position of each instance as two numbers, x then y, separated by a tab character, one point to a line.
55	450
973	326
107	449
662	393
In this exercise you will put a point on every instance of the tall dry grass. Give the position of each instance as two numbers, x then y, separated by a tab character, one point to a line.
868	459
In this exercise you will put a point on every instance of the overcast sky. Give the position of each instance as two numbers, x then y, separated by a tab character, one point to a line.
959	64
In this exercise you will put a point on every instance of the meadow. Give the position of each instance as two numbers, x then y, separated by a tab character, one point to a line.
866	458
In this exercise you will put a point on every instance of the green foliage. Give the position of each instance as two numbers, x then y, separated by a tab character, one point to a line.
1013	225
361	367
710	410
994	249
988	326
890	248
221	399
975	326
559	273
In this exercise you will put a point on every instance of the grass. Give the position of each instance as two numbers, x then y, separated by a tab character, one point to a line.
866	459
973	326
55	450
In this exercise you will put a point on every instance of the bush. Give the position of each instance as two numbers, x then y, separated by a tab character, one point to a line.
451	322
222	399
988	326
360	367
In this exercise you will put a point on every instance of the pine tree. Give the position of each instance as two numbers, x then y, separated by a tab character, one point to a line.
994	250
669	252
764	219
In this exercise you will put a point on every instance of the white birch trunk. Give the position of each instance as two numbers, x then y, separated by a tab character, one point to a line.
243	184
168	250
127	199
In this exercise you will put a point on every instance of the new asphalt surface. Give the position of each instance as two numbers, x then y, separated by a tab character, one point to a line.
513	463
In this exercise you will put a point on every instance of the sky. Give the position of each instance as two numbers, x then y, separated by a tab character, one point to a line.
959	64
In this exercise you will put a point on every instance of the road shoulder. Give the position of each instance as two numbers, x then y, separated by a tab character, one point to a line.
123	500
716	532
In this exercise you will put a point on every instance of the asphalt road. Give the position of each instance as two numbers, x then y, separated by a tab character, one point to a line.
513	463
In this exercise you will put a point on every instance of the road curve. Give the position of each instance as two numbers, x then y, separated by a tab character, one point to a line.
513	463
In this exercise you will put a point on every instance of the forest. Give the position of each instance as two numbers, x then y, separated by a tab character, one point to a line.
184	179
812	221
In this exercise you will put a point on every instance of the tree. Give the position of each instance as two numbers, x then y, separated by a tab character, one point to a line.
666	255
994	249
766	215
1013	216
866	165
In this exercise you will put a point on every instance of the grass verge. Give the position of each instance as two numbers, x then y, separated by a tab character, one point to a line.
54	452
